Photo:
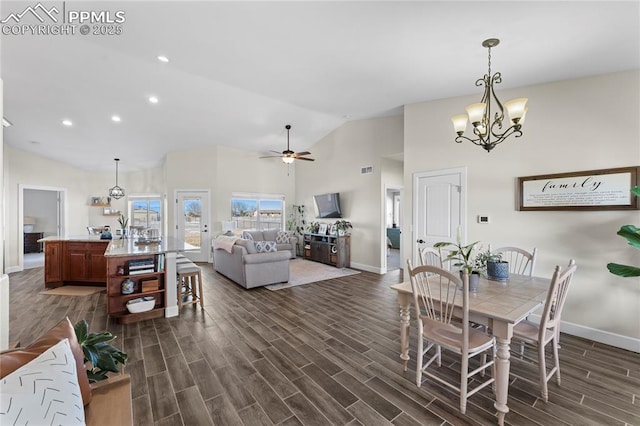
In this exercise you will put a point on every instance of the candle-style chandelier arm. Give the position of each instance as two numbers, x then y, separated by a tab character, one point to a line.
490	144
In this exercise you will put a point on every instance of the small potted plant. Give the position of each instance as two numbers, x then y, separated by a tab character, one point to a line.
497	269
314	227
343	226
463	255
123	221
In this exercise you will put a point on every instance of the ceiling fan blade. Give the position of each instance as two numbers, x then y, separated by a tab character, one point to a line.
305	159
275	152
303	153
271	156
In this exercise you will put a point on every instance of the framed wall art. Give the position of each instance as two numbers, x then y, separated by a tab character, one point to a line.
605	189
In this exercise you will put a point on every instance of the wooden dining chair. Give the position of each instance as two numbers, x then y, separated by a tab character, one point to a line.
548	330
521	262
430	256
435	291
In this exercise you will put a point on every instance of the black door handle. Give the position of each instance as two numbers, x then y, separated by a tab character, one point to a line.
420	241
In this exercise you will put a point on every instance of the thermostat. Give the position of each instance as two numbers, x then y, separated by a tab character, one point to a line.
483	219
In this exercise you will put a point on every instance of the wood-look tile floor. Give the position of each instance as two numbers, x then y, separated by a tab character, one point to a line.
318	354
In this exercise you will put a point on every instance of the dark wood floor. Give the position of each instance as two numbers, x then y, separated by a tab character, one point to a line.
318	354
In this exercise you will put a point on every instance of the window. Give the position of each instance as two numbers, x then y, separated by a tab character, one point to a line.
145	212
257	211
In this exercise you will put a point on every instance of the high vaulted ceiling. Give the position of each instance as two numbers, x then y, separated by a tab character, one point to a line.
240	71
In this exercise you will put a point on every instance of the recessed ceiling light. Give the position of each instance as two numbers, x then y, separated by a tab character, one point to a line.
153	99
163	58
116	118
67	123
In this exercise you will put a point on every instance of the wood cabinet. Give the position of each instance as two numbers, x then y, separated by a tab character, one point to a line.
31	244
53	264
330	249
85	262
74	262
117	302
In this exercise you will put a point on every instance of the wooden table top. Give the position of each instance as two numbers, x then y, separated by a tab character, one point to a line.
509	301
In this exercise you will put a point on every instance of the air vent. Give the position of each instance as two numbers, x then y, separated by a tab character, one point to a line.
367	170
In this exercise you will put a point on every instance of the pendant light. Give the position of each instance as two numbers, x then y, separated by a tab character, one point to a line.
116	192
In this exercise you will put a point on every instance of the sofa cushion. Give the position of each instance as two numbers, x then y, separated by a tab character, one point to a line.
43	391
249	245
12	360
282	237
265	246
270	234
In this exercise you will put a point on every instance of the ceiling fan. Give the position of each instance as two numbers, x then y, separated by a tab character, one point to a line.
287	155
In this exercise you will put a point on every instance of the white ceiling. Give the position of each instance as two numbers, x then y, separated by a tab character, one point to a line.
240	71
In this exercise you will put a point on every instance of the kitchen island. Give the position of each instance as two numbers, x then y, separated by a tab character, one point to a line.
88	260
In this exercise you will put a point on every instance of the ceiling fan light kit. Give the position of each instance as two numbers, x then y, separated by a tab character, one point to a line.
289	156
487	133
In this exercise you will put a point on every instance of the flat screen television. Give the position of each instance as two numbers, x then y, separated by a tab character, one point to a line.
328	205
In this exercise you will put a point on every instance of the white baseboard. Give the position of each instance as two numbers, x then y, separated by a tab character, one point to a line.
12	269
606	337
171	311
367	268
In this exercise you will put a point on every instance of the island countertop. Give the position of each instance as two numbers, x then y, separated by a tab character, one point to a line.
133	247
78	238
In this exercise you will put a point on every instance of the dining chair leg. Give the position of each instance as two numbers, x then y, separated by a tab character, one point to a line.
439	351
419	360
543	373
556	359
464	371
483	360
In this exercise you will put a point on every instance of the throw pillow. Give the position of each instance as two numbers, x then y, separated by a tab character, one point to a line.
265	246
249	245
43	391
247	235
282	237
12	360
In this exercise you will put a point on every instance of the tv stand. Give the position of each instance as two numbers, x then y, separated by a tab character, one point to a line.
330	249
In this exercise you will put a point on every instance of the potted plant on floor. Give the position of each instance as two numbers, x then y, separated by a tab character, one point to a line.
632	234
296	225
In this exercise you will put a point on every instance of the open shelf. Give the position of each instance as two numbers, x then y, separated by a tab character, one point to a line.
330	249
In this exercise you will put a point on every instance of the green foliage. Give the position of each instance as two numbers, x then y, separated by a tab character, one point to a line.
343	225
102	356
123	221
296	223
632	234
314	227
463	255
487	256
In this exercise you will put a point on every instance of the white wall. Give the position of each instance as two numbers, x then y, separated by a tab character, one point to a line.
222	171
339	158
43	206
574	125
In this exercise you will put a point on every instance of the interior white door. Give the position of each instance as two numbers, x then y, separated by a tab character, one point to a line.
439	207
192	223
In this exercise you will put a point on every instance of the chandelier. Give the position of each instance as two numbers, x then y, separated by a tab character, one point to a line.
487	133
116	192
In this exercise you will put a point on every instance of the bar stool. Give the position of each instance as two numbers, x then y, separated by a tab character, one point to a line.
189	279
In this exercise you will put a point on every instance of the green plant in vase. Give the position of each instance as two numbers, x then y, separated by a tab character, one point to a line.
102	356
124	222
464	258
342	226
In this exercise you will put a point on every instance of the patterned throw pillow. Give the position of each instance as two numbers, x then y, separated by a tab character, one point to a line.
43	391
265	246
282	237
247	235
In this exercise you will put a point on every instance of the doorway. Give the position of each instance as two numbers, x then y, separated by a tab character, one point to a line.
192	223
393	232
41	214
439	200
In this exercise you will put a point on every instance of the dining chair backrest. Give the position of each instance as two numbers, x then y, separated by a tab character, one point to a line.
521	262
556	297
430	256
435	291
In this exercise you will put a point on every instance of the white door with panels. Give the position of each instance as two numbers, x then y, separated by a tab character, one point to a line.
192	223
439	207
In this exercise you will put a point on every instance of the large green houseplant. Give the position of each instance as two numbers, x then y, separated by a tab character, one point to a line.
98	352
632	234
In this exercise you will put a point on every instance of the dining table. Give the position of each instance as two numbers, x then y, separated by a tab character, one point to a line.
499	305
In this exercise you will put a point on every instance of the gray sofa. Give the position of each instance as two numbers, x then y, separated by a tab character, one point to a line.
271	235
250	269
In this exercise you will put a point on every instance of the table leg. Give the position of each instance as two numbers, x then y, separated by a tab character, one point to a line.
404	300
503	333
